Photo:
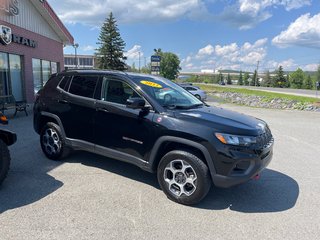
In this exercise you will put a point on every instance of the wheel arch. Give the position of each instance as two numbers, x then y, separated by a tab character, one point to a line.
166	144
46	117
8	137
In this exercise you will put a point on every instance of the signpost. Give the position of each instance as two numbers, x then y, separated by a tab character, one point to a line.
155	65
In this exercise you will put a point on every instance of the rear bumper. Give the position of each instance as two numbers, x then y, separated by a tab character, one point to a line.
254	166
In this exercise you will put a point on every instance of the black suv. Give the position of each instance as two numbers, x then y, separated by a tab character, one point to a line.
154	124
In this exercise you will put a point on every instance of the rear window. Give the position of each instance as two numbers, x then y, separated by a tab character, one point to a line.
83	86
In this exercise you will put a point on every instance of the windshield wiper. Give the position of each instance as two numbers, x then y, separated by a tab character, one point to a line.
194	106
172	106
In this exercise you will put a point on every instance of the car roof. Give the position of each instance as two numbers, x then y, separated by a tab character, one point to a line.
92	71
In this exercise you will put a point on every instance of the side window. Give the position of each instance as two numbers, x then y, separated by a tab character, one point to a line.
117	92
190	89
83	85
64	84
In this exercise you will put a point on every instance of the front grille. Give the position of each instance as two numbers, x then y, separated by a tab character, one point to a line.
264	140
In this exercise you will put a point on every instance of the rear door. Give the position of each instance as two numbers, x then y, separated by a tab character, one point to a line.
78	107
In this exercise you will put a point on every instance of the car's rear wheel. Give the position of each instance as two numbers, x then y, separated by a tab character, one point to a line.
183	177
52	142
4	160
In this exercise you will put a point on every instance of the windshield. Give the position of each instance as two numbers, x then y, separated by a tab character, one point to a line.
166	93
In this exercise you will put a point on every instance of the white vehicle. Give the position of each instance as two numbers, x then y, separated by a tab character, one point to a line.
198	93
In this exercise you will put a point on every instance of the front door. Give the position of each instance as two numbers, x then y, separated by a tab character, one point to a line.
119	128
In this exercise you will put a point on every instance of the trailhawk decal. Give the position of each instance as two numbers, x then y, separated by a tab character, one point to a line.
151	84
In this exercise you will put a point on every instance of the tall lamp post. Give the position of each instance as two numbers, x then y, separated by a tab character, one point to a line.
76	45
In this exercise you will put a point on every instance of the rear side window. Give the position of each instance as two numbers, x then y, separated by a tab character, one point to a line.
64	84
83	85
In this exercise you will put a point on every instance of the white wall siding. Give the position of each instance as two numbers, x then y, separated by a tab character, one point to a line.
29	18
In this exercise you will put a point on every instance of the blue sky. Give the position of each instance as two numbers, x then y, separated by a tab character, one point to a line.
205	34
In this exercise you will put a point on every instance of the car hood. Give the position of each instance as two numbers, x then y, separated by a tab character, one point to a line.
222	120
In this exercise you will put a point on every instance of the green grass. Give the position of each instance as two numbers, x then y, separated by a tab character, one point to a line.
267	95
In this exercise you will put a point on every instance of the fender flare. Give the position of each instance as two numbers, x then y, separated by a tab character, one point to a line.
55	117
200	147
8	137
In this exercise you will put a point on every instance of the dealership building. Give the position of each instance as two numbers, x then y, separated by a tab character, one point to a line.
32	38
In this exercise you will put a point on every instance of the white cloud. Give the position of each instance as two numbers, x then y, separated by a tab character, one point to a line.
310	67
305	31
88	48
134	53
226	50
246	14
206	51
127	11
229	56
288	65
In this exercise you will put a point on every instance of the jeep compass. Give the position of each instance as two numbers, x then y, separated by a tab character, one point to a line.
154	124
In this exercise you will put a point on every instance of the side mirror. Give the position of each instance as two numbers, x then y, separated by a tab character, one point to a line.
136	103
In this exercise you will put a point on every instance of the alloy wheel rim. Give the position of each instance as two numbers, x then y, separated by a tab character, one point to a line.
51	141
181	178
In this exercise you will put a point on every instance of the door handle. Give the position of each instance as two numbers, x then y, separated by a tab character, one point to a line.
63	101
102	110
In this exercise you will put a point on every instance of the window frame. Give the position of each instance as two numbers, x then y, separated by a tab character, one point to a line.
80	75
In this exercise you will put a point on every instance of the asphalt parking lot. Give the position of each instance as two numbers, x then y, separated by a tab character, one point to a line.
92	197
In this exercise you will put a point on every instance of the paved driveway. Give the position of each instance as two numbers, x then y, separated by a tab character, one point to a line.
91	197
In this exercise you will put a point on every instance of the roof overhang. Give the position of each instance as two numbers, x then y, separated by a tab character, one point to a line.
54	21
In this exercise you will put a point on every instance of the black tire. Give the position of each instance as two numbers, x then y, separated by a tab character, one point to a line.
4	160
198	96
189	194
53	143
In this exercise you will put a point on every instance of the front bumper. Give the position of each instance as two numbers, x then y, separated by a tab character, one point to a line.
244	167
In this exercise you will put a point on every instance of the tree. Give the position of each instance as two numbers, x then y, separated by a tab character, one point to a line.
254	81
169	65
240	82
221	80
229	82
267	81
279	80
308	84
110	53
246	79
297	78
318	74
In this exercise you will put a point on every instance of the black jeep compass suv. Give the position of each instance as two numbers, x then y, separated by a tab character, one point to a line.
154	124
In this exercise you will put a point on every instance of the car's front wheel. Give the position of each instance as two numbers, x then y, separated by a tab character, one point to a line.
183	177
52	142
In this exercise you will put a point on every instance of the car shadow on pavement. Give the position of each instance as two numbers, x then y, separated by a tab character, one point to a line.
274	192
115	166
28	180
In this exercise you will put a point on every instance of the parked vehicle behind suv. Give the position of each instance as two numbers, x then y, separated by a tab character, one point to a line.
197	92
7	138
126	116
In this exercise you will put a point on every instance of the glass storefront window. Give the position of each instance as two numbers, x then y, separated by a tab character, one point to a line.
42	71
37	82
11	76
16	77
4	74
54	67
46	71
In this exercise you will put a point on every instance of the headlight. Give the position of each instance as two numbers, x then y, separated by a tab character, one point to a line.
236	140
